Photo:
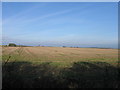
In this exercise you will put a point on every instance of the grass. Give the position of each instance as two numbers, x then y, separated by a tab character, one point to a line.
43	67
46	75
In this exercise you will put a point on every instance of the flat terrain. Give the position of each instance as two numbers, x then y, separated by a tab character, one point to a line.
58	67
60	54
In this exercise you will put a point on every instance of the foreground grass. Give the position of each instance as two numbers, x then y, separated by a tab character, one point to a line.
46	75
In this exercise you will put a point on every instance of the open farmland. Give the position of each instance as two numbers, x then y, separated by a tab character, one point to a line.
60	54
59	67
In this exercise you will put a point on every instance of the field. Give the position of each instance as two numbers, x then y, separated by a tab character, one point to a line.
36	67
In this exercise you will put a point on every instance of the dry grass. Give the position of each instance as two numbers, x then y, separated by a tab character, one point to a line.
59	54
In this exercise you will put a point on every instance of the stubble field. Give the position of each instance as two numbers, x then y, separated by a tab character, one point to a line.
60	54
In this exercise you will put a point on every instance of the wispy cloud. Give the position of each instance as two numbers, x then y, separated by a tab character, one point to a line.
21	15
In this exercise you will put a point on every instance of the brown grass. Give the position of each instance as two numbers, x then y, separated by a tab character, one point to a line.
60	54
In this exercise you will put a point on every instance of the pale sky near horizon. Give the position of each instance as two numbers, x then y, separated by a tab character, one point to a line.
85	24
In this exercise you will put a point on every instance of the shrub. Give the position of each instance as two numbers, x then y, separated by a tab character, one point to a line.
12	45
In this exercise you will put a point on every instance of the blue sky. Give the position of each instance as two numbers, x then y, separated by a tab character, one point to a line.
84	24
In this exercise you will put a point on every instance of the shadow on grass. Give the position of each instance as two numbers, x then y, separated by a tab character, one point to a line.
80	75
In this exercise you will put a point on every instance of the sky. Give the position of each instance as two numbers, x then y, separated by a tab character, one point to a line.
82	24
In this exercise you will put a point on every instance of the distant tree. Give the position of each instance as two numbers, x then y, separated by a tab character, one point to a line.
4	45
12	45
64	46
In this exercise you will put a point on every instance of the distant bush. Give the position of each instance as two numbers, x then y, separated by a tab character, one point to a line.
64	46
12	45
4	45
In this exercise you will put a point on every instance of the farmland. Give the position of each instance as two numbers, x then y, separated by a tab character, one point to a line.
59	67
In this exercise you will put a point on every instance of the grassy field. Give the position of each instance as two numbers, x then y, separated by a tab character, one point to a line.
36	67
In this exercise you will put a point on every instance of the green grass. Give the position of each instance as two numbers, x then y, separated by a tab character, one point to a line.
62	61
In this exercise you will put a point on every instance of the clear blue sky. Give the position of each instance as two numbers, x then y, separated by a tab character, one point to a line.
87	24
